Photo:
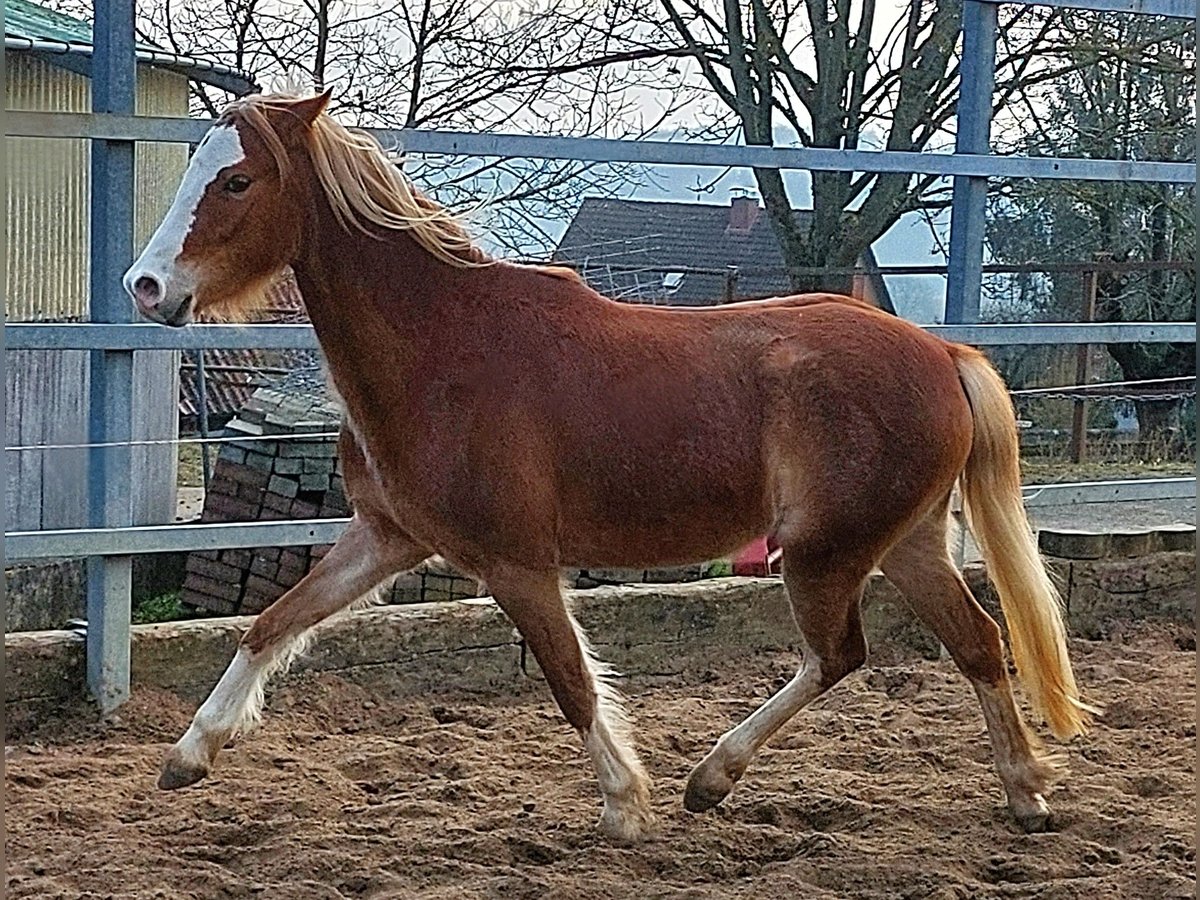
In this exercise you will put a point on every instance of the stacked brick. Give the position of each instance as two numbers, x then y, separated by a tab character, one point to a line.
282	464
284	467
430	582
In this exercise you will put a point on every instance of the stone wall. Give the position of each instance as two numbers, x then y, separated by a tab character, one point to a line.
1110	579
643	630
44	594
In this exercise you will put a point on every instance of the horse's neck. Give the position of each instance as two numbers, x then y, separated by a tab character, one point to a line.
369	302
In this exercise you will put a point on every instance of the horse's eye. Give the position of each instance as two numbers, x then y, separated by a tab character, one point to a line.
237	183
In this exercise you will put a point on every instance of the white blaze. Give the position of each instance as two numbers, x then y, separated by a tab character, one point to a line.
221	148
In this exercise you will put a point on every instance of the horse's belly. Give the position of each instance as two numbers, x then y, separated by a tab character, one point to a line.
669	510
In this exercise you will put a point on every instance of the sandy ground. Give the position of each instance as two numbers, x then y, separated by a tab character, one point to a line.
882	789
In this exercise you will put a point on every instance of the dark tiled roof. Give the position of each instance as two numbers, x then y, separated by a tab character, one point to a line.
655	238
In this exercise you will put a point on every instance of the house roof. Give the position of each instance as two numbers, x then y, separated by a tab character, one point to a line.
232	376
631	247
31	27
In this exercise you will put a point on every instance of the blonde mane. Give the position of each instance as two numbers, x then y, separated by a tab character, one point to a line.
364	185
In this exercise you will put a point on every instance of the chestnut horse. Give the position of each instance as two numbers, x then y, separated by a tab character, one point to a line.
514	421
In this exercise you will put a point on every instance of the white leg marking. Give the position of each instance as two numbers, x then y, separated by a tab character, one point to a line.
623	780
744	741
235	704
232	707
713	779
1024	774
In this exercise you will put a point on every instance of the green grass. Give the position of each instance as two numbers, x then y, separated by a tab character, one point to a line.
191	471
163	608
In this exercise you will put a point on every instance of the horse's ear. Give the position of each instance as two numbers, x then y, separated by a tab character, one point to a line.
309	108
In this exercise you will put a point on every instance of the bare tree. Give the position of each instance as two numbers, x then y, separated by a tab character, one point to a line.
838	74
574	67
1130	93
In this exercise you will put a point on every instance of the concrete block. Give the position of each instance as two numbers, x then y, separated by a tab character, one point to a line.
218	571
264	568
1132	543
289	465
314	482
1069	544
195	583
247	476
284	487
259	459
1177	537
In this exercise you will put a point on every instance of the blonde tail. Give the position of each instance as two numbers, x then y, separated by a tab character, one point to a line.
991	488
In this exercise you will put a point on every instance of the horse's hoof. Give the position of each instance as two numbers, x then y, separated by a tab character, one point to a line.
1035	822
706	788
626	826
178	774
1032	814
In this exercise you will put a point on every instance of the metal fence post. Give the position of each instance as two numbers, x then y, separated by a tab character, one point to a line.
1082	359
202	415
969	202
110	502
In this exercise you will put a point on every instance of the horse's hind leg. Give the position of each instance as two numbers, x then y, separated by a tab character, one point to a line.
920	566
825	602
534	602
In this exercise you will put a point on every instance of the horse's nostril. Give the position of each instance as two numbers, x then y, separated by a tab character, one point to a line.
147	291
147	286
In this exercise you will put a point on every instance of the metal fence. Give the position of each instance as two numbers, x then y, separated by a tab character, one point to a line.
112	337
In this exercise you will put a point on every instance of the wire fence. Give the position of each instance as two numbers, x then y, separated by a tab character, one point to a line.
1157	389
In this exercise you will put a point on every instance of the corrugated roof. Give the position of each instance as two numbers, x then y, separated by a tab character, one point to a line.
30	20
608	237
33	27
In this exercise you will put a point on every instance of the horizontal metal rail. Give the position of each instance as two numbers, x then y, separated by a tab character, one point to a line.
604	150
1029	334
1126	490
1175	9
95	336
32	545
23	545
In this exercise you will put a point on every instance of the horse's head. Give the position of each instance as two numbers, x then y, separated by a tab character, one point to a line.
236	221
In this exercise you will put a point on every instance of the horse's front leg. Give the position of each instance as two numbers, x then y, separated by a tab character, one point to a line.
534	602
365	556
